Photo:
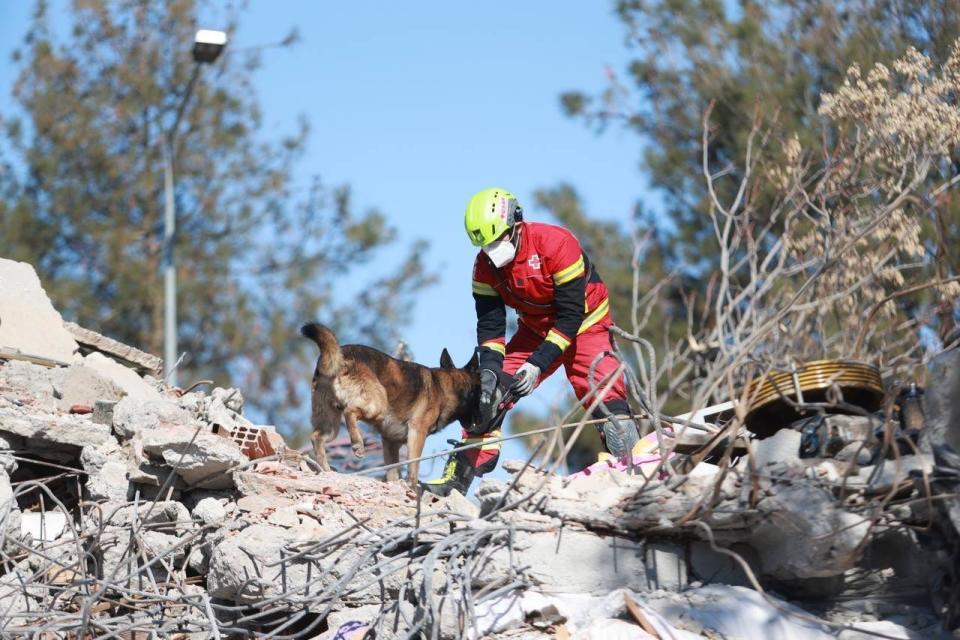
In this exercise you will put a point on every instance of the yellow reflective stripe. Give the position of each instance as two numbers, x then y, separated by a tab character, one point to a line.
496	346
483	289
595	316
486	445
557	339
569	273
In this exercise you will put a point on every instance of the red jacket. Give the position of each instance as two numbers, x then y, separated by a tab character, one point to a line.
552	285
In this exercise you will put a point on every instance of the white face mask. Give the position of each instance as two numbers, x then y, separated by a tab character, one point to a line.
501	252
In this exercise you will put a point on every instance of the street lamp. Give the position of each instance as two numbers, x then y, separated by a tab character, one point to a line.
207	47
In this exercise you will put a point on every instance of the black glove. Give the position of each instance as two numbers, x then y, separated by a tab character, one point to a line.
490	395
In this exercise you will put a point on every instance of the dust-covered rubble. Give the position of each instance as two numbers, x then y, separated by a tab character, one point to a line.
126	507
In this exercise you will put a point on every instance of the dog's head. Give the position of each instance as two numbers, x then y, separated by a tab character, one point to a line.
469	415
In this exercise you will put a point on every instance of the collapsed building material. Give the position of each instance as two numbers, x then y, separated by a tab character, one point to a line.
154	515
90	341
28	321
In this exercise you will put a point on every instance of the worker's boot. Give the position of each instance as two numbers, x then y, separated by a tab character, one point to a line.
620	435
461	468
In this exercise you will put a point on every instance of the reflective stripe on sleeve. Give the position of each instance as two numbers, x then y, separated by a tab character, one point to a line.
569	273
595	316
495	345
558	339
483	289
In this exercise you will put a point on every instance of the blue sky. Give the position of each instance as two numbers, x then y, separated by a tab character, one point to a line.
418	105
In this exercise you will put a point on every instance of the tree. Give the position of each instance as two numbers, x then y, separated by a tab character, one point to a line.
764	67
771	60
81	197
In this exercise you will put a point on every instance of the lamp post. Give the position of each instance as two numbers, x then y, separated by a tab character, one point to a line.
207	46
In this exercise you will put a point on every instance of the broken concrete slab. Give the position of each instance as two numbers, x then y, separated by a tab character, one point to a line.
30	384
249	566
132	415
90	340
28	321
85	386
127	379
199	457
56	430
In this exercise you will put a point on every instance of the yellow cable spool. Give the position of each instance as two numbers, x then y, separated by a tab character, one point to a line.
772	397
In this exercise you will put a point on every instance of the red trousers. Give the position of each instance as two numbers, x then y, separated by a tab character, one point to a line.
576	361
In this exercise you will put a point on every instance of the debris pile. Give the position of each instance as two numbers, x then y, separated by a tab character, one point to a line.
130	508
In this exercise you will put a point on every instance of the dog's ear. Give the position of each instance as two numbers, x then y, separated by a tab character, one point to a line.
474	363
446	362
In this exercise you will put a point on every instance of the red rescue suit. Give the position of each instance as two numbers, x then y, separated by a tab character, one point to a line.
564	317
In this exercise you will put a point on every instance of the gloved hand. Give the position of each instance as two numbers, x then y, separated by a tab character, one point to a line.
490	395
525	379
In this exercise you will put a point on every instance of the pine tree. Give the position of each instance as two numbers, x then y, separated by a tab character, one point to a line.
81	198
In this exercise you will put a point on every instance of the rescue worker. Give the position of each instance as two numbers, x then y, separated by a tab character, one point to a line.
564	319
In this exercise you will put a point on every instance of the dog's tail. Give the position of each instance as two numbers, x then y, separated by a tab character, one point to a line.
331	358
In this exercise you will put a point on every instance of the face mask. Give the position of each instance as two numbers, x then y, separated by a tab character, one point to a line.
501	252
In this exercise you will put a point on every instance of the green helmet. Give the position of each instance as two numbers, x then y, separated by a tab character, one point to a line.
489	213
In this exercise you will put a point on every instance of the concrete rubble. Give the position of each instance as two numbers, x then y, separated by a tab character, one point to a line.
146	516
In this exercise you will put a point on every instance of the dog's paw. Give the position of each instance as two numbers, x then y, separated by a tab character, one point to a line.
358	449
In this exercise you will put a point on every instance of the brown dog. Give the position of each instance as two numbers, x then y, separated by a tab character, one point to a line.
404	401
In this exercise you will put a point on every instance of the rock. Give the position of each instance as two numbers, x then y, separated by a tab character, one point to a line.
127	379
132	415
83	385
28	320
209	512
42	430
200	458
783	447
369	613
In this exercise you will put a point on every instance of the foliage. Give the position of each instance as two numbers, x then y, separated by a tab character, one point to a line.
801	257
81	198
750	60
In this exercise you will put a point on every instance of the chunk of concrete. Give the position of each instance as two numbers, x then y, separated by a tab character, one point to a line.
209	511
571	561
106	467
249	566
83	385
91	340
783	447
28	321
199	457
132	415
42	429
127	379
31	384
